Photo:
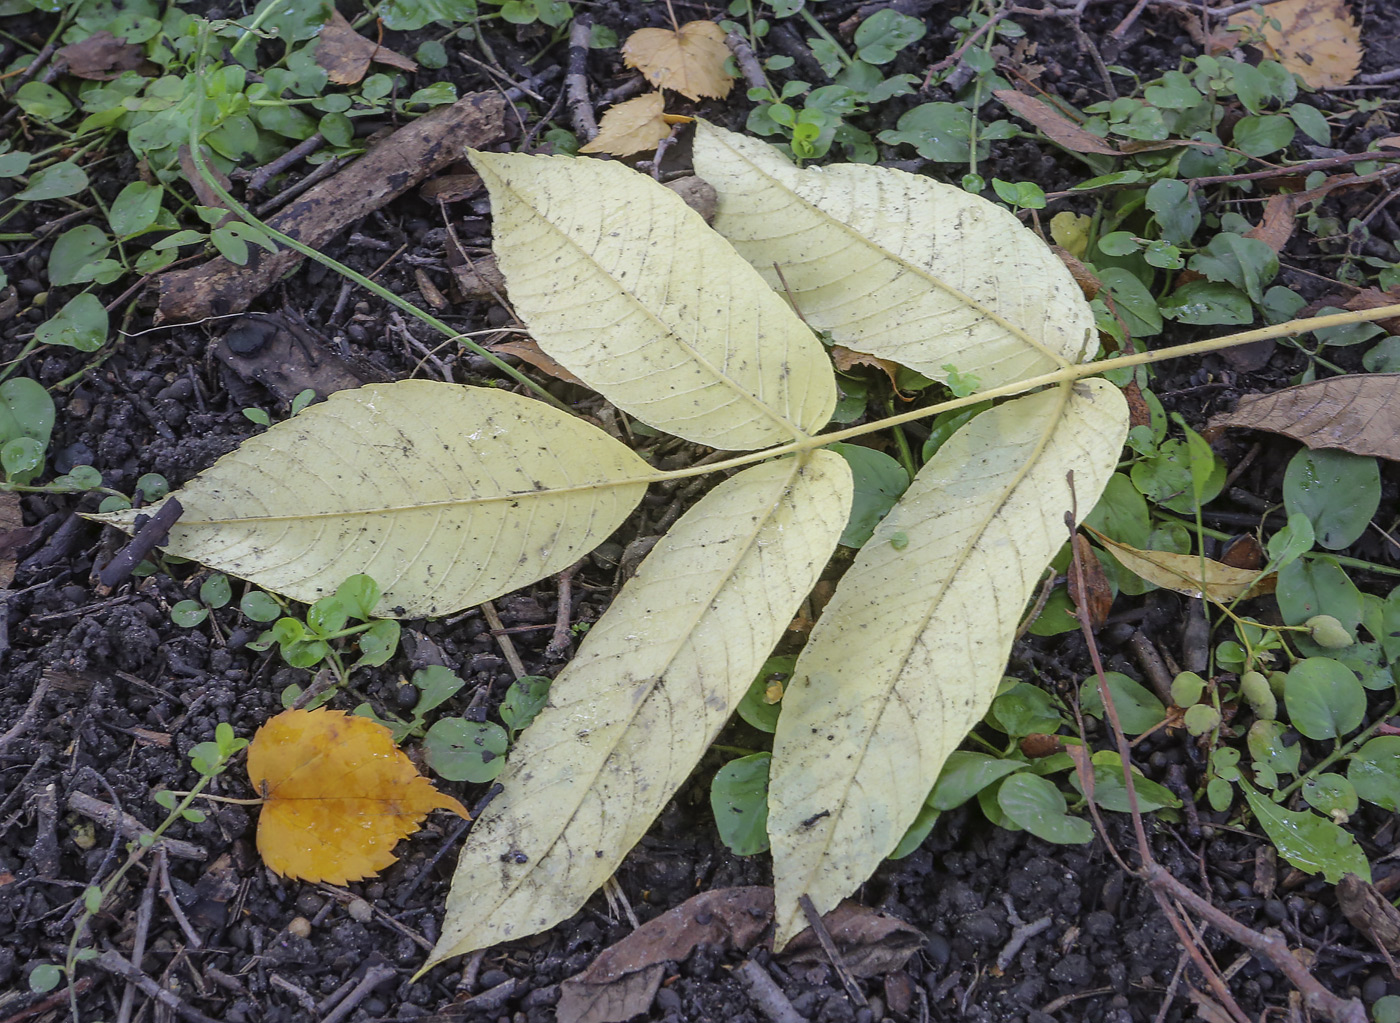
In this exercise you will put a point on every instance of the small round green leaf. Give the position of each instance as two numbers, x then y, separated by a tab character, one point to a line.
1325	699
1330	794
1337	491
54	183
461	750
80	324
739	799
1037	805
188	613
1374	770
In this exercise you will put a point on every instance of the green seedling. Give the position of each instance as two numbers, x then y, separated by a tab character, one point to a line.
214	593
321	636
461	750
302	399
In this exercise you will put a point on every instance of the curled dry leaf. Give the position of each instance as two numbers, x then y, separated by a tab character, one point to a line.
1096	597
346	55
634	126
340	795
1315	39
689	61
1358	413
1182	572
1057	127
845	359
623	980
528	351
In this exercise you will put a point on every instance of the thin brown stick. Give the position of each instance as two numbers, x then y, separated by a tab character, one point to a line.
833	954
31	711
576	81
507	647
1165	887
115	963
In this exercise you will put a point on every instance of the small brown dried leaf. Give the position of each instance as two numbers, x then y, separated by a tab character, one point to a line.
1056	126
101	57
689	61
528	351
1096	598
845	359
631	127
622	981
346	55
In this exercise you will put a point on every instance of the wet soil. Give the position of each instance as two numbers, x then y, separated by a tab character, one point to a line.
101	695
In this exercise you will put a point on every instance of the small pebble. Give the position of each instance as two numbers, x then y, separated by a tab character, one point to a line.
299	927
360	911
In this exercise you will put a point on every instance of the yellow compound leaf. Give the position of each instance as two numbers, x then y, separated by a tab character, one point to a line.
689	61
1315	39
1182	572
340	795
635	126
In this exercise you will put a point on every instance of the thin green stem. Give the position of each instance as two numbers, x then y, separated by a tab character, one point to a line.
906	456
1345	750
820	29
197	156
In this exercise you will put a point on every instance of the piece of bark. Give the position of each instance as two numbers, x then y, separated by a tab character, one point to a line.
287	357
406	157
1369	911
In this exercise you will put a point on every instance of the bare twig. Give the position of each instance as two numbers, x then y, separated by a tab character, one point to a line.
747	60
562	639
507	647
129	827
31	711
833	954
138	943
115	963
374	976
576	81
766	994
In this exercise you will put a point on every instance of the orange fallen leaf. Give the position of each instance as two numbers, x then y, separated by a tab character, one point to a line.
631	127
339	795
1315	39
1182	572
689	60
346	55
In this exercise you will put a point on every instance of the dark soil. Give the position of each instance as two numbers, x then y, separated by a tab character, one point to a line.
126	694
